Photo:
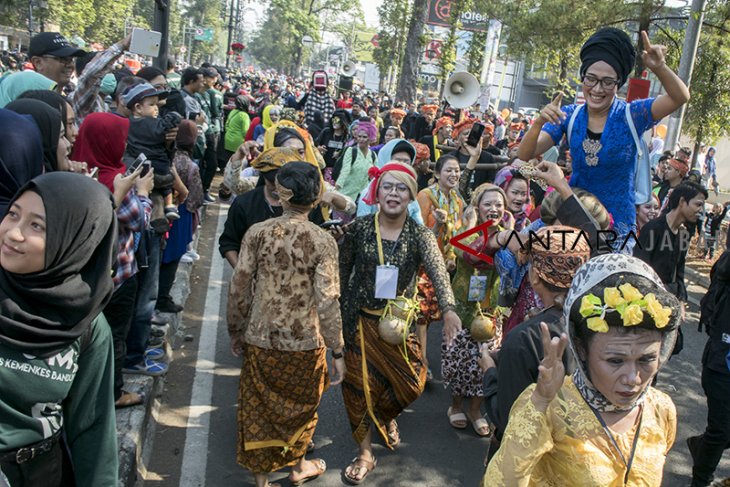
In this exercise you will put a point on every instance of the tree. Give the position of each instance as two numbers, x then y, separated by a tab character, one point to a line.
547	32
709	105
392	47
408	80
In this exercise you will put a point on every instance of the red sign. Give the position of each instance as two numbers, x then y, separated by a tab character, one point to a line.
638	89
456	241
375	40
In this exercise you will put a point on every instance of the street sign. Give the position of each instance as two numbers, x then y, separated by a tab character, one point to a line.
439	13
307	40
203	34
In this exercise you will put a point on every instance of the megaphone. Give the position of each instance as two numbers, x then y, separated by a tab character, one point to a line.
348	69
461	90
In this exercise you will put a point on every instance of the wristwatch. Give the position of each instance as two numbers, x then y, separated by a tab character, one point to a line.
336	355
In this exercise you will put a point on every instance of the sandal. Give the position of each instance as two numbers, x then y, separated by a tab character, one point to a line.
479	427
128	399
393	434
321	468
359	464
457	420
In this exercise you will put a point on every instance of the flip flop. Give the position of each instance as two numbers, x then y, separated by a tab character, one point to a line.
359	464
454	417
480	424
322	468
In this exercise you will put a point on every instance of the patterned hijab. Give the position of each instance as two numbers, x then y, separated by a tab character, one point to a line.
591	274
565	249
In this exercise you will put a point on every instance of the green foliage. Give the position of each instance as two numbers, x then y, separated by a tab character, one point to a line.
448	52
706	115
552	32
278	43
394	17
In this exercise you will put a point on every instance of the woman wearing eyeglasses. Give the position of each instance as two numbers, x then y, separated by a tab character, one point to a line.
603	162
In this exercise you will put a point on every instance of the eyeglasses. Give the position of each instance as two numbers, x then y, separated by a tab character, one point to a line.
590	81
388	188
62	60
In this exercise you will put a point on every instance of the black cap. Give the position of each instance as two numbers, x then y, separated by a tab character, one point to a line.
54	44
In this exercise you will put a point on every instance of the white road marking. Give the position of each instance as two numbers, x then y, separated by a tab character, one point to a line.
195	454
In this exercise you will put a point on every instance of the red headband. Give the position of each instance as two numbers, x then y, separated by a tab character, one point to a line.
376	172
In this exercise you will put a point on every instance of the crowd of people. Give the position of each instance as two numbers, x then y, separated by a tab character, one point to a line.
355	224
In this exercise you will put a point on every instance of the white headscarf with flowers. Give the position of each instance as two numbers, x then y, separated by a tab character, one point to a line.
590	275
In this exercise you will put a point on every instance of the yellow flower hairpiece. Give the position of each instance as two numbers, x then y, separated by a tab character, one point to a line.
628	302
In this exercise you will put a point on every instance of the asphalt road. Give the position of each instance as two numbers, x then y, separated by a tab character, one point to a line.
195	441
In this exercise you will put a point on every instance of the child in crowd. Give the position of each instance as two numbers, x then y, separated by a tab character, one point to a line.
712	226
147	136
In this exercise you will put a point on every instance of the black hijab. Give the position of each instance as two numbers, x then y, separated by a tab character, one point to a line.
21	154
51	98
46	311
612	46
48	120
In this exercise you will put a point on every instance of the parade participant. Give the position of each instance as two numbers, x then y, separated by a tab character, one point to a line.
58	425
332	140
441	136
237	125
290	334
318	99
269	116
512	135
397	150
424	124
383	379
475	287
707	448
395	117
55	145
100	144
464	154
11	87
355	162
675	170
647	212
603	163
605	425
53	57
21	160
664	242
553	264
516	186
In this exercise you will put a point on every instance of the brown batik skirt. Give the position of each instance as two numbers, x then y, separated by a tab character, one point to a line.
427	300
381	379
279	393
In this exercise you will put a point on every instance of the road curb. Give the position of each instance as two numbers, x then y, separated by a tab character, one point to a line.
136	425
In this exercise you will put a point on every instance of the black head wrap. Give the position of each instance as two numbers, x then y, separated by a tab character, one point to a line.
48	120
612	46
44	312
21	157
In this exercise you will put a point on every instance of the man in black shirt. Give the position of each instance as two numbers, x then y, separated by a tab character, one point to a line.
707	449
663	242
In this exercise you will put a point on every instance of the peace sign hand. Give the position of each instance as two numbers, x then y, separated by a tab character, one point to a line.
551	369
653	56
552	112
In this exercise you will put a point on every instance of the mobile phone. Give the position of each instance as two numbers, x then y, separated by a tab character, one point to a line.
330	224
146	166
93	173
139	160
476	133
145	42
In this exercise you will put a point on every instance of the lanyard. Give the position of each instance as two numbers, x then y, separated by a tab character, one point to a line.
615	444
380	242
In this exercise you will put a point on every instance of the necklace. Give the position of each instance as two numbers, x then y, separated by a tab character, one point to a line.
591	148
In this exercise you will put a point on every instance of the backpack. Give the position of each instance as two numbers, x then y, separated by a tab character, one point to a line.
353	155
642	176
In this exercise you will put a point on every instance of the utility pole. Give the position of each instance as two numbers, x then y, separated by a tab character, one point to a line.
686	64
162	25
230	33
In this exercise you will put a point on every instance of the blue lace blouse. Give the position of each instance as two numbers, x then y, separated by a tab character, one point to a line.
612	179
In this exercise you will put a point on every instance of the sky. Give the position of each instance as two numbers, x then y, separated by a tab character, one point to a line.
370	7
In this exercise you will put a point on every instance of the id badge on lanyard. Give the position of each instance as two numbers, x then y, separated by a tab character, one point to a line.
386	282
477	288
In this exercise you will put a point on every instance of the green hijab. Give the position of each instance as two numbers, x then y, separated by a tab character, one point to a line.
11	87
